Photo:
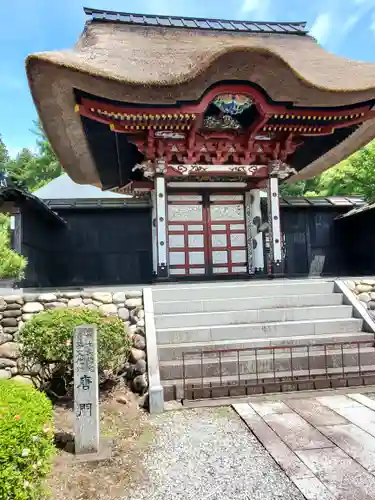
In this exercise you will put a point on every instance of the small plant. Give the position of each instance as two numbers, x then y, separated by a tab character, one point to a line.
26	441
12	265
47	342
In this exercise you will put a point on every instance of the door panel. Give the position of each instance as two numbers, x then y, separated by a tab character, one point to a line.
227	228
186	235
206	234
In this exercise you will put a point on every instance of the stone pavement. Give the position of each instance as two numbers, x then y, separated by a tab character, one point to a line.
325	445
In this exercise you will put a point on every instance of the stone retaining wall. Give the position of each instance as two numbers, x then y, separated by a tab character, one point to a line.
364	289
15	310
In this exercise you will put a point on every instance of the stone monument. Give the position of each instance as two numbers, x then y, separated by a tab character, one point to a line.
86	390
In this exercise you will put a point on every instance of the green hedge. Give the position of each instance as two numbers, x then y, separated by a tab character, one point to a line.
47	340
26	441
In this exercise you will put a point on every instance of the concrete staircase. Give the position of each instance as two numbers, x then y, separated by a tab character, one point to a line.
232	315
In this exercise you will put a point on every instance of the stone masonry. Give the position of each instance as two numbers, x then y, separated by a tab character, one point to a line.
364	289
15	310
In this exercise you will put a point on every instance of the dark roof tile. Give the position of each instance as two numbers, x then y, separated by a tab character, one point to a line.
296	28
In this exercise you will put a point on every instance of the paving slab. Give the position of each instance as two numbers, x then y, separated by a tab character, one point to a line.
357	443
296	432
325	444
315	413
342	476
278	450
269	407
313	489
363	400
362	417
339	401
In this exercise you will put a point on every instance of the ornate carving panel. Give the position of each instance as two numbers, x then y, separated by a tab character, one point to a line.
185	213
226	212
249	241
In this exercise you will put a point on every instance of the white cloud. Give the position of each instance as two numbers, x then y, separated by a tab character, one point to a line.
337	18
321	28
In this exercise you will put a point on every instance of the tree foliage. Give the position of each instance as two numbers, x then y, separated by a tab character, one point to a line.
4	156
353	176
32	169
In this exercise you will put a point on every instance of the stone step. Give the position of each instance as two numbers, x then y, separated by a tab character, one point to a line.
257	330
174	389
170	352
242	289
241	303
228	317
248	364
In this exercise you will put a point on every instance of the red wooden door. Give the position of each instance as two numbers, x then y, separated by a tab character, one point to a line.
227	234
206	234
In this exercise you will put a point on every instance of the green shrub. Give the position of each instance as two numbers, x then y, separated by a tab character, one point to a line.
26	441
47	341
12	265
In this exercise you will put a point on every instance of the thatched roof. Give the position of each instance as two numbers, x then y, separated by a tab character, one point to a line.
138	63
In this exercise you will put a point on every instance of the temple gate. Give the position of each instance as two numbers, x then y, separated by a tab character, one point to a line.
202	116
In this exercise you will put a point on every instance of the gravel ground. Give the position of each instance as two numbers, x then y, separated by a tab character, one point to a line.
209	455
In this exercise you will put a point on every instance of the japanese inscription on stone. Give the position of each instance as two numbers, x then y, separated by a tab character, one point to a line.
86	389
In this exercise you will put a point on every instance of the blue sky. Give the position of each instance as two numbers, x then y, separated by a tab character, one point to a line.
344	27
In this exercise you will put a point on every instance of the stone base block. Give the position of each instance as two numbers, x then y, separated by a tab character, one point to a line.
104	453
